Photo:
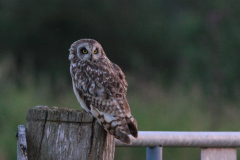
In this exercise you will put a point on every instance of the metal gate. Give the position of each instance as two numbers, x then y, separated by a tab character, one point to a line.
214	145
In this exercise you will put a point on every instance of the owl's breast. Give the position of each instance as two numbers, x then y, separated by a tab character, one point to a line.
100	86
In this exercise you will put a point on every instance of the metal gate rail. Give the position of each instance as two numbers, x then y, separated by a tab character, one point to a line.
214	145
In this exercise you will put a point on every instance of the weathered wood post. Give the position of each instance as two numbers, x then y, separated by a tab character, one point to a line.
65	134
21	143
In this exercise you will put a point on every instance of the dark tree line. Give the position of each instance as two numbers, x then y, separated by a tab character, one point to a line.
184	41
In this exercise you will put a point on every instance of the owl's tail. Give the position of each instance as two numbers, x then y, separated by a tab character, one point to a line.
128	126
125	127
132	125
120	127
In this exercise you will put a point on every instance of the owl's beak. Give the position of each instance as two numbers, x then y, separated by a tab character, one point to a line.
91	57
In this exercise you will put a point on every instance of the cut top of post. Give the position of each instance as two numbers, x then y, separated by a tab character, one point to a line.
58	115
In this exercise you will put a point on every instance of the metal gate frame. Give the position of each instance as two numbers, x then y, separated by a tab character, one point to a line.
214	145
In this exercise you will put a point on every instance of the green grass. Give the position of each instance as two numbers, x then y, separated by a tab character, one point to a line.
154	108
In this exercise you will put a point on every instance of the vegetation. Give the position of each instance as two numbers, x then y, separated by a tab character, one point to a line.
181	60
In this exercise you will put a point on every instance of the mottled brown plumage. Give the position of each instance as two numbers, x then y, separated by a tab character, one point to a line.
100	88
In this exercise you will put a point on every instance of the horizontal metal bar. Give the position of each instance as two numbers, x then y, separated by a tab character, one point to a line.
218	153
184	139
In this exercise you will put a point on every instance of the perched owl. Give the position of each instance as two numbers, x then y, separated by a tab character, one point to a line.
100	88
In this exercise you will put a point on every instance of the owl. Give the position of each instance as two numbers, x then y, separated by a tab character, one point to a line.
100	88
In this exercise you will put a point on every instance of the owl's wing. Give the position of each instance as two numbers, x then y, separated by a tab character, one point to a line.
121	75
103	87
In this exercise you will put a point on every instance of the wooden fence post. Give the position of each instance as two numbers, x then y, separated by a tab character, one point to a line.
66	134
21	143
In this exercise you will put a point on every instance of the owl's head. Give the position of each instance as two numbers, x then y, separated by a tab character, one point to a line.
86	50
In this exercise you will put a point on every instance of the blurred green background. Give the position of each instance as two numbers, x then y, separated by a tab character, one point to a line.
181	60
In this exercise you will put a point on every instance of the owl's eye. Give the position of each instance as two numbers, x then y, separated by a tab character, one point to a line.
84	51
96	51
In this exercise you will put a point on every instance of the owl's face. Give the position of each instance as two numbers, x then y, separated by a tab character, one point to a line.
86	50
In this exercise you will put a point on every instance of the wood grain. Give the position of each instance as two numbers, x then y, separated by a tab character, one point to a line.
66	134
